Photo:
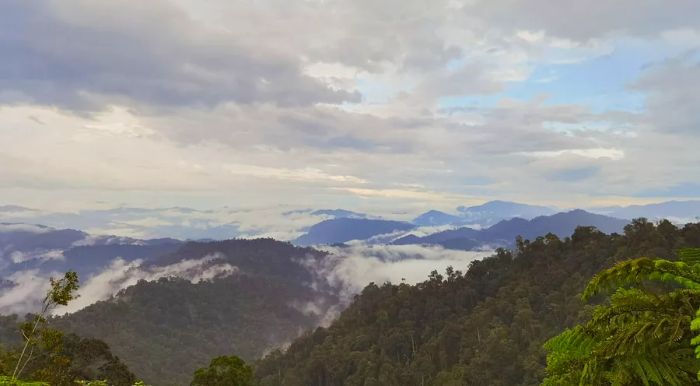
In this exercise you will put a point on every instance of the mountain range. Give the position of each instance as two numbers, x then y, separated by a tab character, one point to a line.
677	211
46	249
504	233
283	223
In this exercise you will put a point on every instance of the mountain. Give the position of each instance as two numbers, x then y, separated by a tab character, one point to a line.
341	230
27	246
338	213
165	329
436	218
440	237
561	224
26	237
483	215
175	222
505	232
677	211
492	212
484	327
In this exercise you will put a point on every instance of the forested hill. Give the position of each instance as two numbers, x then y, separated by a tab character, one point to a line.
484	327
165	330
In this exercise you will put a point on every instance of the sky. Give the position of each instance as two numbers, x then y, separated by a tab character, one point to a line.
360	104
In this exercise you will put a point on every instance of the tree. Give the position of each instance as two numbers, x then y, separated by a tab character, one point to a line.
224	371
642	335
54	358
61	292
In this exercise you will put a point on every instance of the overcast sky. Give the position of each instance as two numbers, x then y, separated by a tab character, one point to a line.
356	104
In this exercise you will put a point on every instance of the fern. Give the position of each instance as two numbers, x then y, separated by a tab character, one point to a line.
639	336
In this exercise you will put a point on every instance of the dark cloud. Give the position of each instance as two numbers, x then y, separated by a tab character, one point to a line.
580	20
83	55
671	88
575	174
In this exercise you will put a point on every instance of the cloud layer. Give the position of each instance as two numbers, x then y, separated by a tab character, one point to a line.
349	269
339	103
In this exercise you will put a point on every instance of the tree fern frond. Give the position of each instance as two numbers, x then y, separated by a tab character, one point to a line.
642	269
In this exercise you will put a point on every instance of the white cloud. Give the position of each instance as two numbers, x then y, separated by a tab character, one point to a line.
19	227
26	293
121	274
595	153
18	257
352	268
27	288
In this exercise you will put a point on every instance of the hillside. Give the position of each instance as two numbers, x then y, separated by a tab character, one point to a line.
166	329
484	327
68	358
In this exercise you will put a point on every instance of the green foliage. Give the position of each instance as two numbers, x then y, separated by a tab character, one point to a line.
641	335
224	371
61	292
50	356
105	383
488	325
9	381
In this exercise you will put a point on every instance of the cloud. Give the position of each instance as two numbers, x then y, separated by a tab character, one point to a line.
595	153
24	294
352	268
26	289
82	55
356	104
19	227
18	257
625	17
121	274
672	99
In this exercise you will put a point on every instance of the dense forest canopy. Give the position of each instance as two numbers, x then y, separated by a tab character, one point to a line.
484	327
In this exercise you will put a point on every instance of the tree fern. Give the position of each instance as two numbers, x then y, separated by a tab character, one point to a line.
641	335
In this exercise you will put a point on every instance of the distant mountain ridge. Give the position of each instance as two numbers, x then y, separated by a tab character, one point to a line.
28	246
341	230
483	215
226	223
504	233
678	211
497	210
437	218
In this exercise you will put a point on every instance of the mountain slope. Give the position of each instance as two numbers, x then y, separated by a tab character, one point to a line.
485	327
166	329
80	358
341	230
